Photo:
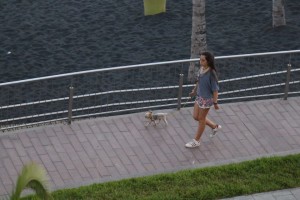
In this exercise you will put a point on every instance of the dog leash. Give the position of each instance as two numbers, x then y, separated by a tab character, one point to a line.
185	103
190	98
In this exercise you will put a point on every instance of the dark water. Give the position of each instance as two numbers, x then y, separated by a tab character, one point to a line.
40	38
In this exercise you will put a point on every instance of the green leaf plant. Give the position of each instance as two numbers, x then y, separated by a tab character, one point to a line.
33	176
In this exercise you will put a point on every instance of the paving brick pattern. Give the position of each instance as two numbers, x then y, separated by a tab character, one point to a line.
290	194
112	148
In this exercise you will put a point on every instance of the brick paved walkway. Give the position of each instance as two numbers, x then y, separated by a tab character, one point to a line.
289	194
112	148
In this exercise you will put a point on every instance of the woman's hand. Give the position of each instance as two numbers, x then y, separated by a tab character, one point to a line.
193	93
216	106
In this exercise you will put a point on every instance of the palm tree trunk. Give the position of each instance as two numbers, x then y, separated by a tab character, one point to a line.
278	13
198	38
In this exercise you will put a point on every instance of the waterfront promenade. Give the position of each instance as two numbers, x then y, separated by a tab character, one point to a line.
112	148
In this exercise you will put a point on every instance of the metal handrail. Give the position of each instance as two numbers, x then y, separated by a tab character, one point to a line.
156	100
151	88
141	65
86	110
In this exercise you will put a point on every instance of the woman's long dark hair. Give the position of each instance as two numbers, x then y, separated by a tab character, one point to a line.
210	58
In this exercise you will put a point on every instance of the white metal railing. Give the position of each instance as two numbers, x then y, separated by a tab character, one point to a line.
133	88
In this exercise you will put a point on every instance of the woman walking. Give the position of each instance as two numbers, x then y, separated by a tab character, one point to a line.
206	89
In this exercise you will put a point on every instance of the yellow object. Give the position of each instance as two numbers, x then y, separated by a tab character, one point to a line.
153	7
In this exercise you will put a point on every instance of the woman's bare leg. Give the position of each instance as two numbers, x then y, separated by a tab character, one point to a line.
196	111
210	123
201	122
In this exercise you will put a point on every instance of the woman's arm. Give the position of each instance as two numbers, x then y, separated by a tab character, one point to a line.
194	91
215	99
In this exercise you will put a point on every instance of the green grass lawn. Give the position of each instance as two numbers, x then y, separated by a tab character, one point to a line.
224	181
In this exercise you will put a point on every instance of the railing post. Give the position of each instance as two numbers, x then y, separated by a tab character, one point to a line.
71	89
180	91
287	83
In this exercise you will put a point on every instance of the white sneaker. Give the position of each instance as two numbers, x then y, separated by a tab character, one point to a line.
192	144
215	130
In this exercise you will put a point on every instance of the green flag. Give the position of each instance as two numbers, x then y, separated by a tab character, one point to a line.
153	7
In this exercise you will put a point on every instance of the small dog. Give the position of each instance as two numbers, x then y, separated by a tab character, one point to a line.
155	118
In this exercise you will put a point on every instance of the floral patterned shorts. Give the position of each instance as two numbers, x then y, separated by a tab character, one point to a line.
204	103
